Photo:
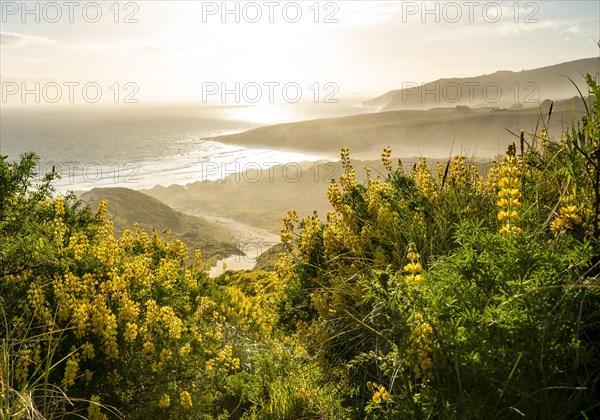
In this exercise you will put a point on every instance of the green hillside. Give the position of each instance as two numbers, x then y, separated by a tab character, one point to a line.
127	207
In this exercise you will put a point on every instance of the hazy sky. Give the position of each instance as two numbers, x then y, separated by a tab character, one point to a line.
179	50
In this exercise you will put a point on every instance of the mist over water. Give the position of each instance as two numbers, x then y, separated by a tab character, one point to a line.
143	146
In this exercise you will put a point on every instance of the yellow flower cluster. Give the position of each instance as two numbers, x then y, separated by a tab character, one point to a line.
180	249
569	216
198	263
59	207
424	179
377	193
185	399
312	228
107	251
59	224
185	350
78	244
157	316
164	401
475	179
386	158
289	223
37	305
102	207
225	357
87	351
414	267
380	394
439	171
338	235
71	371
491	180
419	219
509	194
253	311
321	301
457	174
334	195
87	376
348	178
419	351
544	140
458	170
22	365
379	196
117	306
168	272
94	411
104	325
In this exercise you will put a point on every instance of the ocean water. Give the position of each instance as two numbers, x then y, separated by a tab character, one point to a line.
139	147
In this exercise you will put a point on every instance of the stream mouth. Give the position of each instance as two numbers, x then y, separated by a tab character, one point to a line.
252	251
251	240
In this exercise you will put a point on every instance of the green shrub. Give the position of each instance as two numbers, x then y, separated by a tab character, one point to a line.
444	293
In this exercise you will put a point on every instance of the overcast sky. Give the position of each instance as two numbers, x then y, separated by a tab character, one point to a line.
175	50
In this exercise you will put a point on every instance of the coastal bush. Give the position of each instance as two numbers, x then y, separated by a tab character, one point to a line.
98	326
445	293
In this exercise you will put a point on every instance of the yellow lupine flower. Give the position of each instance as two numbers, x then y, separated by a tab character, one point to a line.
87	376
334	195
381	394
164	401
185	350
197	259
569	217
102	207
148	347
131	331
509	194
59	206
87	351
94	411
22	366
71	371
413	268
419	351
185	399
166	354
424	179
386	158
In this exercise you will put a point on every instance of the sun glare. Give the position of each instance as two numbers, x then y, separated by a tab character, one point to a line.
262	114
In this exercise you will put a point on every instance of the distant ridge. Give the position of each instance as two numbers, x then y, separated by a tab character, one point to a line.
434	132
500	89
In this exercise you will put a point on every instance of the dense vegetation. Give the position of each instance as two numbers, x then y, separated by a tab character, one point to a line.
439	292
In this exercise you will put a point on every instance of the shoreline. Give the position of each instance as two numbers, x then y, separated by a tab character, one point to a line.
252	240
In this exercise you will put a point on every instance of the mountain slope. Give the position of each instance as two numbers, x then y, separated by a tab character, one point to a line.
502	88
257	199
126	207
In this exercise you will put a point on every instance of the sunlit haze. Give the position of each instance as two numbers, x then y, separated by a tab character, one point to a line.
280	51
